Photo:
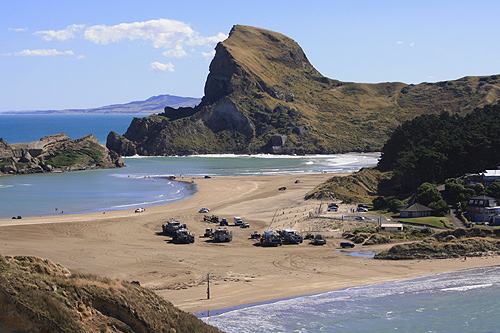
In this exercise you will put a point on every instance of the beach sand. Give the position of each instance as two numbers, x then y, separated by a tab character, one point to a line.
127	245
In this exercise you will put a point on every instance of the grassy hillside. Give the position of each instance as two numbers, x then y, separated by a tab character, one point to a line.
263	95
37	295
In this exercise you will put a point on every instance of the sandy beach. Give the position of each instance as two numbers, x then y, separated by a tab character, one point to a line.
127	245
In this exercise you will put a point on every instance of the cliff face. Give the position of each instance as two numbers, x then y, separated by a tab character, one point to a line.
56	153
263	95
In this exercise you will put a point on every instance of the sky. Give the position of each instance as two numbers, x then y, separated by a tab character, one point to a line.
83	54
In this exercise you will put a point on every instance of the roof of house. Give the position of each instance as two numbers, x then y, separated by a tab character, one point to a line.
416	207
482	197
491	173
391	225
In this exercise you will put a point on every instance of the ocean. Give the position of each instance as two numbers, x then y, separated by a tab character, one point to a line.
461	301
143	182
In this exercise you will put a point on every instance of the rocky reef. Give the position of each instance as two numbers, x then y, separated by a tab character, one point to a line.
262	95
56	153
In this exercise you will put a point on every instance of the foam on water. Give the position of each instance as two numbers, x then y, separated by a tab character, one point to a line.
450	302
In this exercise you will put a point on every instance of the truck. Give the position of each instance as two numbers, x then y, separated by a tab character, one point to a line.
290	236
238	220
222	235
183	236
169	228
270	238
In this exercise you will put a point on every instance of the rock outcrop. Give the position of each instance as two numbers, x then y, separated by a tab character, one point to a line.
261	87
56	153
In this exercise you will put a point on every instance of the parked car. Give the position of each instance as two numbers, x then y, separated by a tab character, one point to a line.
139	210
245	225
360	218
204	210
333	209
346	244
363	206
361	209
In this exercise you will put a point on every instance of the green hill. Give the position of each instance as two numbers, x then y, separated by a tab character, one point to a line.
263	96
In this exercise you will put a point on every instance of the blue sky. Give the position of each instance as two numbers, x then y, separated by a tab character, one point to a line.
80	54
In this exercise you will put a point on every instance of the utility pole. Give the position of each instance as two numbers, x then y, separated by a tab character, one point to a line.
208	285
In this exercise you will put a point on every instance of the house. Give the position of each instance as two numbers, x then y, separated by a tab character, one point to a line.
391	227
415	210
486	178
489	176
482	208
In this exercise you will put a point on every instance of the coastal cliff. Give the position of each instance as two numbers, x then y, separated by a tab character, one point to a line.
262	95
56	153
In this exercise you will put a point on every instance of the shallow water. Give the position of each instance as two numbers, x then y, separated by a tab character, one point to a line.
459	301
143	182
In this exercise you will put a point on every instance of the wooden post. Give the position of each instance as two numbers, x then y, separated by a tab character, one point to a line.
208	285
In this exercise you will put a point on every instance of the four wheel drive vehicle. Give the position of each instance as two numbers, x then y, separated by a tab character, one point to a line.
223	222
255	235
346	244
238	220
204	210
245	225
318	240
208	232
282	188
139	210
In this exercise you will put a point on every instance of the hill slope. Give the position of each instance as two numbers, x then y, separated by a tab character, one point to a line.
37	295
263	95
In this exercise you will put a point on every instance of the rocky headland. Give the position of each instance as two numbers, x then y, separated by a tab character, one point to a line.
55	153
262	95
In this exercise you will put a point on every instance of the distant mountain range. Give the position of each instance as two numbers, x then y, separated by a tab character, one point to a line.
155	104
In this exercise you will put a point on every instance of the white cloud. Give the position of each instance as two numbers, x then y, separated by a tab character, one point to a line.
399	43
162	33
159	67
61	35
18	29
208	55
39	53
412	43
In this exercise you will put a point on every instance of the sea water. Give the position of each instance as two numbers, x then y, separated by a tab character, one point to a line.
461	301
29	128
144	181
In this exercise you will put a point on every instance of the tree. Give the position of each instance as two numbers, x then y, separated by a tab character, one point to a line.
379	203
494	189
427	194
440	207
395	205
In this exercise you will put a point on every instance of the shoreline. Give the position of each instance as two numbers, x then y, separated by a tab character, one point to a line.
126	245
